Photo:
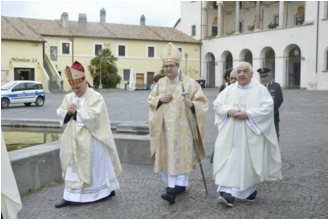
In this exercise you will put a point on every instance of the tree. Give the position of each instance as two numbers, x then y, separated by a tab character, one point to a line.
109	75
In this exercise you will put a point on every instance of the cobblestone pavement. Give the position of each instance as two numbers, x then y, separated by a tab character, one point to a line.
303	193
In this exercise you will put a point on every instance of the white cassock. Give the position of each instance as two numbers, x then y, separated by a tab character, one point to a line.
246	151
104	180
178	180
11	202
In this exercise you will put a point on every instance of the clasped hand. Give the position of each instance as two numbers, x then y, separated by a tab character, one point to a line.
238	114
71	108
168	98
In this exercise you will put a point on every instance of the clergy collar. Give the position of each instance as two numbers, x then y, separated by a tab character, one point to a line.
174	80
81	97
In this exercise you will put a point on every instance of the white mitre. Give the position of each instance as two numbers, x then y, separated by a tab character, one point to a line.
171	53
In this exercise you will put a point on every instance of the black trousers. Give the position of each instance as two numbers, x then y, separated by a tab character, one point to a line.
276	125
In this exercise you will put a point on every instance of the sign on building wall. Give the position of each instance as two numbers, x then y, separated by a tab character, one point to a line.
16	59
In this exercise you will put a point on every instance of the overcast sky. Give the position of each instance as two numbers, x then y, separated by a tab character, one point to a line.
157	13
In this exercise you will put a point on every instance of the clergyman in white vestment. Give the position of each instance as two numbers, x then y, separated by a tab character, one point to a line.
246	150
11	202
88	154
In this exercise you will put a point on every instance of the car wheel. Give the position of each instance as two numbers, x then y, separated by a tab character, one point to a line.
39	101
4	103
27	104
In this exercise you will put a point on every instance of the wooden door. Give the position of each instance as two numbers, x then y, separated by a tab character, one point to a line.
150	77
140	78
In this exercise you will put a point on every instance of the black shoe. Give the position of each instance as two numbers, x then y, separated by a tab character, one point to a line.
180	189
171	191
226	199
169	197
63	203
252	197
112	194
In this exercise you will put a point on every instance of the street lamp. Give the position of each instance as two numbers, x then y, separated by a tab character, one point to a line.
186	57
100	82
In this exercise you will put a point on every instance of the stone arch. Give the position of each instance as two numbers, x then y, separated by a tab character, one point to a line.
246	56
292	74
268	60
210	69
227	60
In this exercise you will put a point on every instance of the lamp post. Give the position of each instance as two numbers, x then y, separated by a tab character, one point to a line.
186	57
100	82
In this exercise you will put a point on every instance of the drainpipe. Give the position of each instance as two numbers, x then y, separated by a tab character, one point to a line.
43	50
317	46
72	39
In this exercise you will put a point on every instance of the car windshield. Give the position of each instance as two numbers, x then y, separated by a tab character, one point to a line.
8	85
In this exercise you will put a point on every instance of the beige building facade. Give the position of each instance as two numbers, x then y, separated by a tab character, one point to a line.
61	42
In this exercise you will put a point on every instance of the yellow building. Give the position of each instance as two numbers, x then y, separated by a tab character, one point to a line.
61	42
21	53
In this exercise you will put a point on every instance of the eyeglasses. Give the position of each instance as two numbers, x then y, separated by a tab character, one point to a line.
169	66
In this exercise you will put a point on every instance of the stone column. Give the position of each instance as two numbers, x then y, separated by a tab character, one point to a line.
281	14
256	65
237	30
220	25
280	66
258	15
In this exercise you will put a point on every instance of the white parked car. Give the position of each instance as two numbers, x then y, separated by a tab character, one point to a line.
26	92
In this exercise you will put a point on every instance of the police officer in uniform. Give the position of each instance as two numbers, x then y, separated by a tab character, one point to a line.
276	93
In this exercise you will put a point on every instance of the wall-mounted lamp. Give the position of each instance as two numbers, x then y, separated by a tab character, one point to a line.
10	65
296	52
39	66
303	58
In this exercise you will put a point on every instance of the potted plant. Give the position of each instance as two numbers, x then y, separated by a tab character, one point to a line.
230	32
272	25
251	27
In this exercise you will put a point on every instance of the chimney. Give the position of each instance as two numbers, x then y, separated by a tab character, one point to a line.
103	15
64	19
82	22
142	20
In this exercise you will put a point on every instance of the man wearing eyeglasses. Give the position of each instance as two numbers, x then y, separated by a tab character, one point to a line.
246	150
171	142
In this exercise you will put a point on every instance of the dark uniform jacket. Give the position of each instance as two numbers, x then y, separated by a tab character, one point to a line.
276	94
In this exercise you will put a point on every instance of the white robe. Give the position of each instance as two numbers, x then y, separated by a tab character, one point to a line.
246	151
178	180
104	180
11	202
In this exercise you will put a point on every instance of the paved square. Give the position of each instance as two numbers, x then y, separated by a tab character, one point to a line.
303	193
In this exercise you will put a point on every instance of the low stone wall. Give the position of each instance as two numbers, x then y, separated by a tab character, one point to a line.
37	166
